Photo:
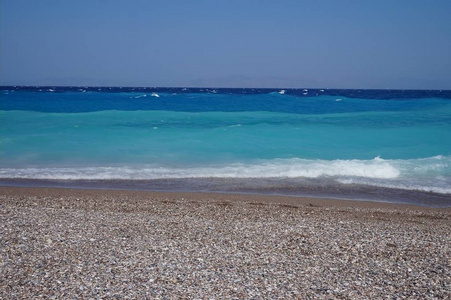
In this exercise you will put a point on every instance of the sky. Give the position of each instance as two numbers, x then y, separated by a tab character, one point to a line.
402	44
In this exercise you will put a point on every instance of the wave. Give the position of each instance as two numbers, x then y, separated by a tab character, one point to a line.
290	168
421	186
429	174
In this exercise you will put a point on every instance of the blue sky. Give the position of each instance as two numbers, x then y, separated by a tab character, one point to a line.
325	44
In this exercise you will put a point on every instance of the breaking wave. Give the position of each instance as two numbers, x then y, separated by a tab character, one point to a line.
290	168
429	174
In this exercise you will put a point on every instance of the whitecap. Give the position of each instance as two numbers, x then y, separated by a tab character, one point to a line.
425	174
277	168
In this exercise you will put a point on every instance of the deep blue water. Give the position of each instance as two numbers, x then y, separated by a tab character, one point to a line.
388	145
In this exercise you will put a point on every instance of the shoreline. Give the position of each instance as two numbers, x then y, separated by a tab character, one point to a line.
257	187
213	197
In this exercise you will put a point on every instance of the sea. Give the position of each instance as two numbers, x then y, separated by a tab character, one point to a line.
377	145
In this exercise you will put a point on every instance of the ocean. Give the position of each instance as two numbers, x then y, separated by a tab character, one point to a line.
379	145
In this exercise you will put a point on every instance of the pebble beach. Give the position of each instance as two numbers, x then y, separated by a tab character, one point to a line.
94	244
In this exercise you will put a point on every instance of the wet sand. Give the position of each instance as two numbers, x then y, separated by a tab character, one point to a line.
71	243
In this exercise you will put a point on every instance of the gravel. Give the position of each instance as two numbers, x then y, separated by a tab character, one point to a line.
106	245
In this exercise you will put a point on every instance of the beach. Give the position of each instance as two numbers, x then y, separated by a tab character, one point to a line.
80	244
225	150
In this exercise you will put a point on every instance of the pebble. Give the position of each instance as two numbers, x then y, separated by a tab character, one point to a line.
156	247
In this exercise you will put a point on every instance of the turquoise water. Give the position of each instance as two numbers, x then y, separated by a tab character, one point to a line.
402	143
185	138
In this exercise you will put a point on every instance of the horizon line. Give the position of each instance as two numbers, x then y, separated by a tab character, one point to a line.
212	87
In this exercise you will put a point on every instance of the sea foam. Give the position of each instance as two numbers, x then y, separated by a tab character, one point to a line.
426	175
288	168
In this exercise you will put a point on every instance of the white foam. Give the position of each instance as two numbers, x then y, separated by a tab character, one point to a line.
432	174
283	168
422	186
427	174
155	95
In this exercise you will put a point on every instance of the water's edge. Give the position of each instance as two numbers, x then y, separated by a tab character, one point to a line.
256	186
